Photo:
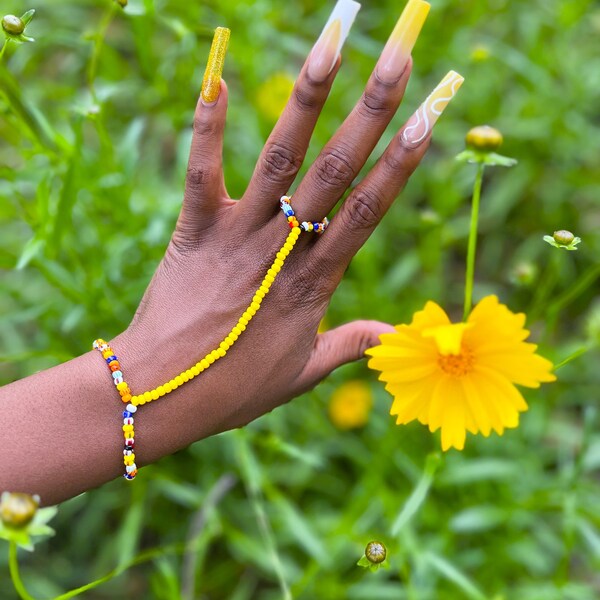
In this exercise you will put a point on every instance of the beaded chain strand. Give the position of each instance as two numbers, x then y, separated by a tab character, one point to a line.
113	364
133	401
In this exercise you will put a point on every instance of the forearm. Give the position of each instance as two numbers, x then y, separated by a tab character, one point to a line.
60	432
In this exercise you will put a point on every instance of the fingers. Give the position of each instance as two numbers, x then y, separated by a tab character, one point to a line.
284	151
204	183
346	153
366	205
340	346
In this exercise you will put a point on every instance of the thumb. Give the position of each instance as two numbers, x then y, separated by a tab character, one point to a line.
339	346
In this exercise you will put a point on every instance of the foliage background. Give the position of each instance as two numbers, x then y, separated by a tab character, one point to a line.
93	146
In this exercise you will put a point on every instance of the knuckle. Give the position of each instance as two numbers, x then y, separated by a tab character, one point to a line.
197	178
377	102
280	163
305	99
363	209
203	126
334	169
306	288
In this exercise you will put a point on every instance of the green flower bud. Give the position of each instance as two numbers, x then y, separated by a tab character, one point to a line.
375	552
17	510
13	25
122	3
484	139
563	237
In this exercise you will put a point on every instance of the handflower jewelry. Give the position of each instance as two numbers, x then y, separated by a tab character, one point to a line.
133	401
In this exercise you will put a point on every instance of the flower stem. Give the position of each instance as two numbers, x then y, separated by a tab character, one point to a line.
2	50
472	241
573	356
13	565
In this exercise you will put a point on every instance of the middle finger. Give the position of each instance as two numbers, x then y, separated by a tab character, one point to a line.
348	150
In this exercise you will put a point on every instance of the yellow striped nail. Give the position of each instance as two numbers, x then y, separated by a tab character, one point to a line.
211	83
401	42
421	123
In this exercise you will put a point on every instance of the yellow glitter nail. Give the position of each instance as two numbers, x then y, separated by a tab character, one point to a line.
211	84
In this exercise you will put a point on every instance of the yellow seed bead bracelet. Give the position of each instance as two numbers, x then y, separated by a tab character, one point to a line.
133	401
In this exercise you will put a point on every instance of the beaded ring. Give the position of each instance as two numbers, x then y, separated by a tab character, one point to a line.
113	364
134	401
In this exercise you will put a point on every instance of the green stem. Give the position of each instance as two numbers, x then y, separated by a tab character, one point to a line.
13	565
98	43
472	241
3	49
573	356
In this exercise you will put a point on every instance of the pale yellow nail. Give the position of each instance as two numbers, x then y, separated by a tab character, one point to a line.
211	83
329	45
401	42
421	123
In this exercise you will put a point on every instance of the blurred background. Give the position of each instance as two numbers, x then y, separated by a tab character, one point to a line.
95	126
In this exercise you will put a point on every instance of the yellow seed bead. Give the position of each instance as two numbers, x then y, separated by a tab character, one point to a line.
259	294
249	314
221	352
242	327
276	268
161	390
154	394
272	273
233	337
195	370
256	299
190	374
269	278
174	385
289	247
278	262
210	358
215	354
224	345
243	321
121	386
179	380
147	397
236	330
134	400
290	219
255	306
205	364
280	255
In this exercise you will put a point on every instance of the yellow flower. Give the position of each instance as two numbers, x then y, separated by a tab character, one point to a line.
460	376
350	405
273	95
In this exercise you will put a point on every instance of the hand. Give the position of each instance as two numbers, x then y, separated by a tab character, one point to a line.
221	249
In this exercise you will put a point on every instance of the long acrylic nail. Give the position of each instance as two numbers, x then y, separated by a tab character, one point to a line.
329	45
211	83
400	44
421	123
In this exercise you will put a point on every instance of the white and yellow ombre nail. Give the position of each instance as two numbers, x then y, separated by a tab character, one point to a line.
401	42
329	45
421	123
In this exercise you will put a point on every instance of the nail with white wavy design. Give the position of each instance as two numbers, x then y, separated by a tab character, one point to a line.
421	123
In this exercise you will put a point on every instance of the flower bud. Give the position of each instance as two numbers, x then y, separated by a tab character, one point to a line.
17	510
375	552
563	237
122	3
484	139
13	25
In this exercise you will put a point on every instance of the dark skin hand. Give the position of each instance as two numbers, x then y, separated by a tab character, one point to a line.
217	257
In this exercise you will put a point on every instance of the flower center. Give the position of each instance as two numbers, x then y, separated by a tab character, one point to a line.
456	364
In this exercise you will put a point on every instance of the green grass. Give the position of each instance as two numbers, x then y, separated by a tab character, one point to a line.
94	136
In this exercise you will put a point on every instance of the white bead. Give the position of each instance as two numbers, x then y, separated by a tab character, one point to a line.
118	380
117	374
131	468
128	421
131	408
103	347
95	344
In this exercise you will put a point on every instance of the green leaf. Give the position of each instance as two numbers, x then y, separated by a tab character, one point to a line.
26	17
487	158
364	562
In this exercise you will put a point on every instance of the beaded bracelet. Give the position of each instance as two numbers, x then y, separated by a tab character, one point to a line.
113	364
213	356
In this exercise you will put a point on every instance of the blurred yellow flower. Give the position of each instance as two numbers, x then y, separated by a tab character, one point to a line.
323	325
273	95
350	405
460	376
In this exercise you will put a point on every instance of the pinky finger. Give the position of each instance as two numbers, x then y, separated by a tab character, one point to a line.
364	208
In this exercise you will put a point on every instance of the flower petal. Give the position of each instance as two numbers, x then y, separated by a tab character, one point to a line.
432	315
448	338
521	366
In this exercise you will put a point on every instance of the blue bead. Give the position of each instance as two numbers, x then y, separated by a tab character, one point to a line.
126	414
111	358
